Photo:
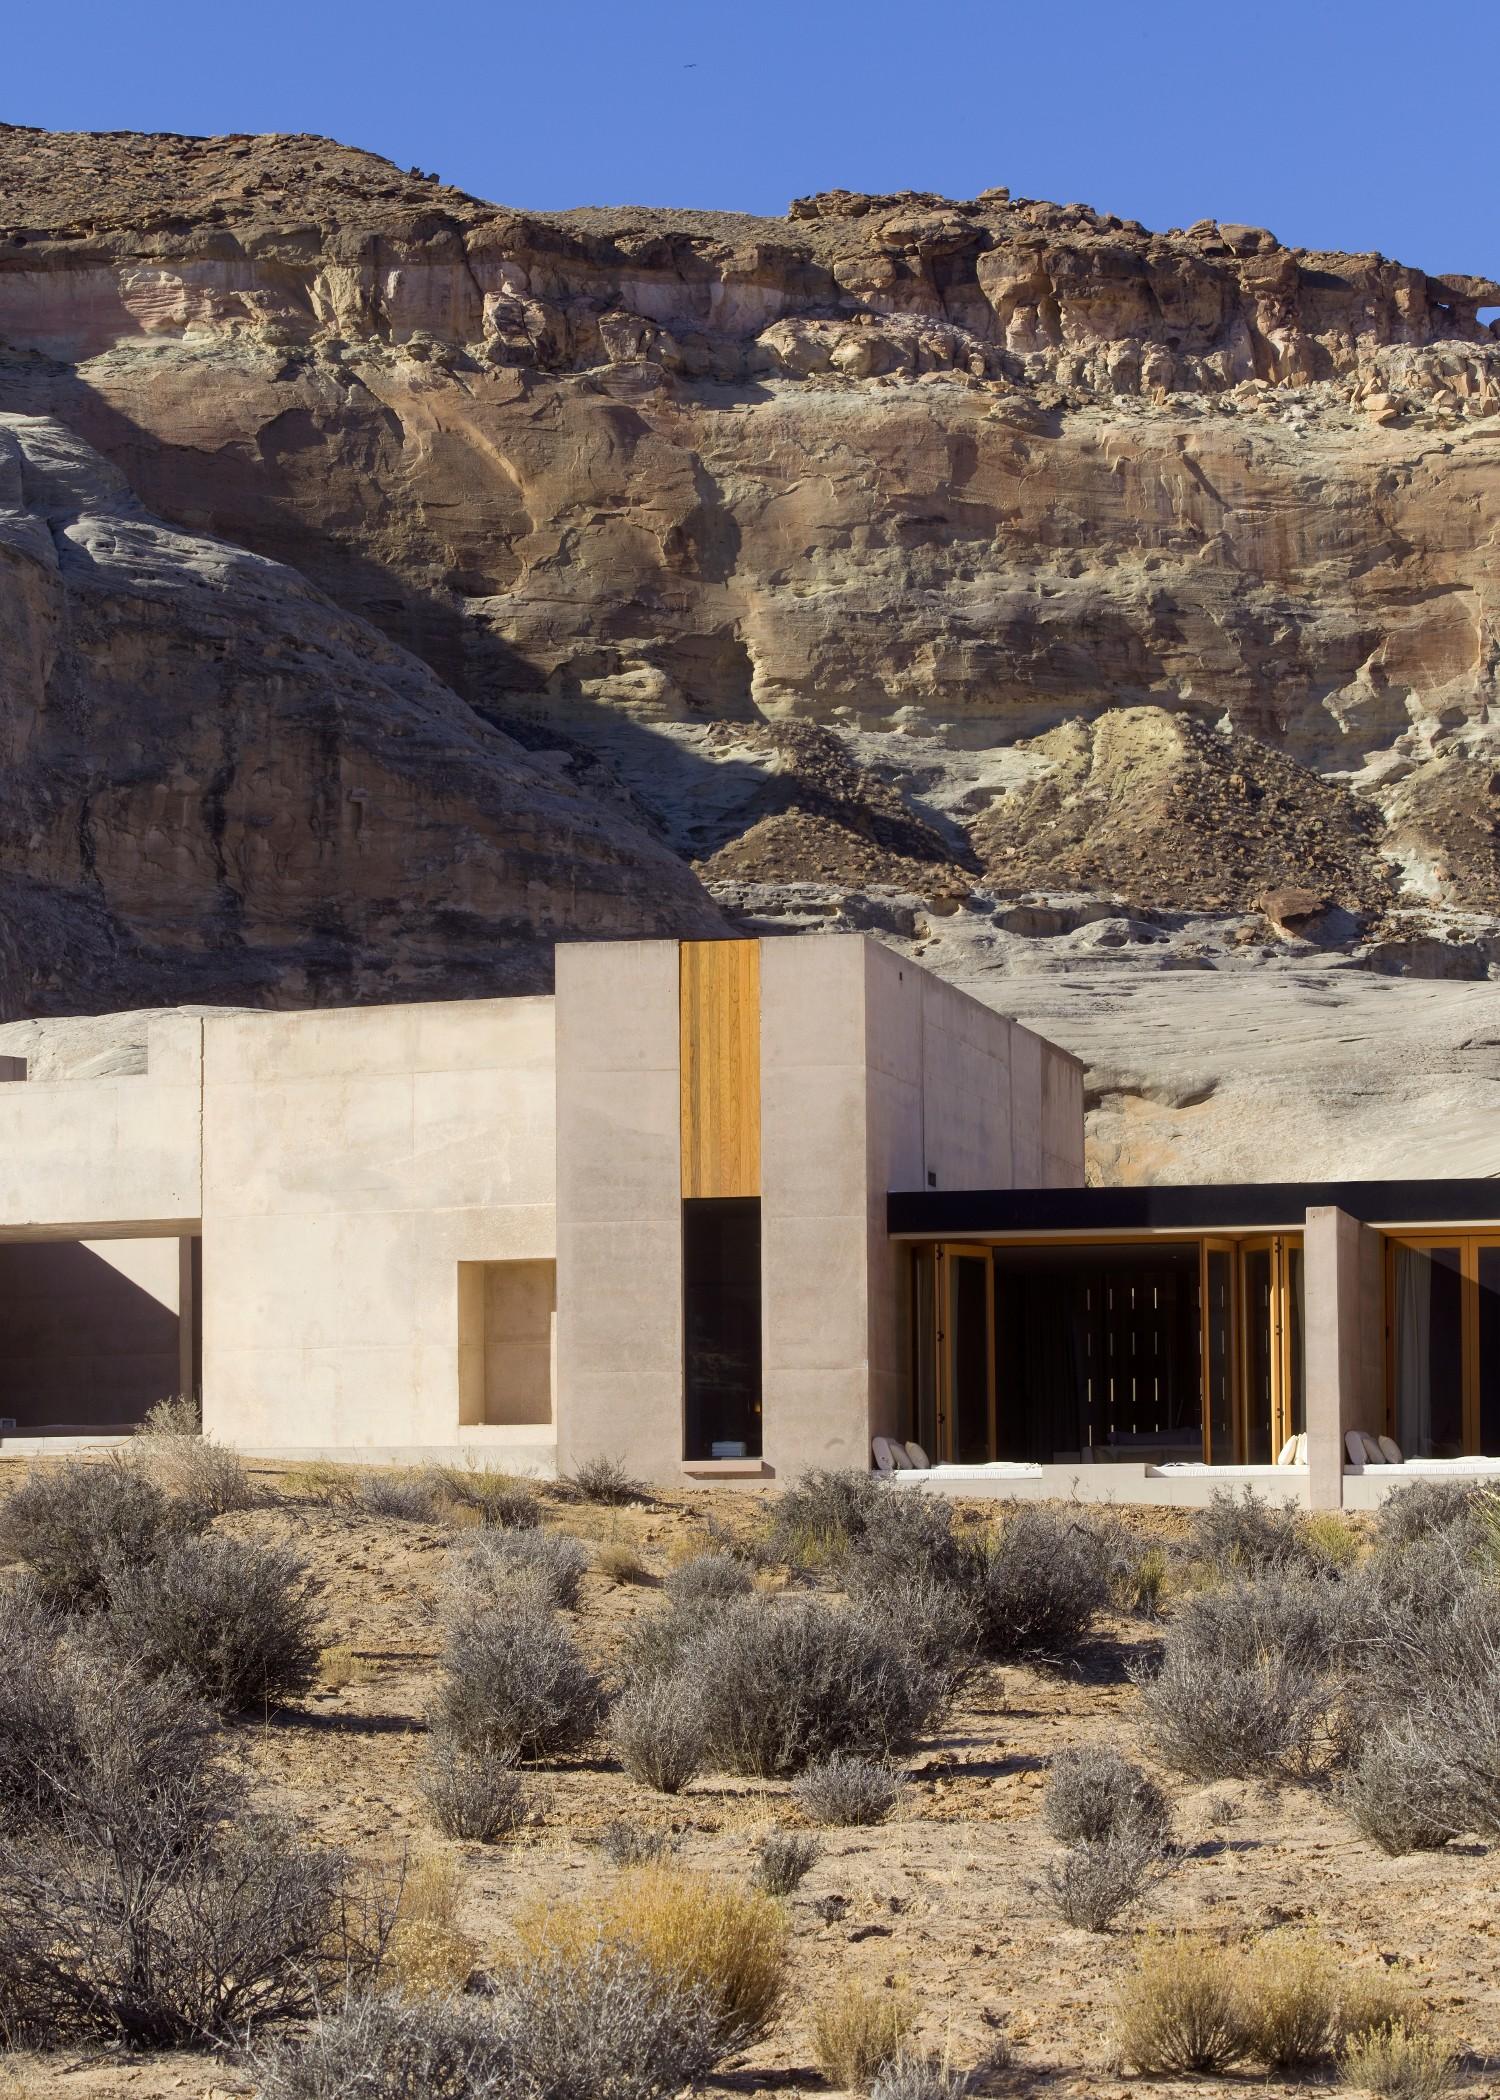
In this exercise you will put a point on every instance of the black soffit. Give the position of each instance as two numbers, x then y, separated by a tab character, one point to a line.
939	1214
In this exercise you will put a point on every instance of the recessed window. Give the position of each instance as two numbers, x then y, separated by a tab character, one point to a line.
721	1326
507	1311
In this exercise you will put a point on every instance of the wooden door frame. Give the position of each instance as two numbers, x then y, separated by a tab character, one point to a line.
948	1251
1211	1243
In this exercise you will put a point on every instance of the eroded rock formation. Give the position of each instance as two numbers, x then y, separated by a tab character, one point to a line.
899	561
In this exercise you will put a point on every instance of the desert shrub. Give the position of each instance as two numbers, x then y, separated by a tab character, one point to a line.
190	1466
173	1931
857	2033
496	1499
849	1790
821	1515
491	1562
1420	1509
1400	1790
1138	1578
1429	1672
1372	1998
427	1952
394	2048
1243	1534
408	1494
897	1537
1178	2011
1399	2062
787	1683
1327	1542
635	1844
912	2077
607	1480
933	1620
1250	1678
604	2022
619	1563
1044	1578
1288	1993
1093	1792
724	1945
473	1794
88	1745
783	1860
657	1730
513	1683
1096	1881
708	1578
72	1524
236	1620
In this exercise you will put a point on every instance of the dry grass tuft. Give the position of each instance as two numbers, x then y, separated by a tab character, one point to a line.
689	1929
341	1666
1178	2013
1288	1992
428	1952
620	1564
859	2032
1399	2061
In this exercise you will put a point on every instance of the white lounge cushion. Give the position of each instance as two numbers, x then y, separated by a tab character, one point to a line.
1374	1456
1287	1455
1390	1450
1301	1455
918	1457
885	1454
1354	1444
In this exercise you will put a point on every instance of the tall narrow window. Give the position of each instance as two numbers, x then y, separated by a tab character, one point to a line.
721	1326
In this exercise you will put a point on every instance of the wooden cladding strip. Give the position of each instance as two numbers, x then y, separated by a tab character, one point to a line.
719	1012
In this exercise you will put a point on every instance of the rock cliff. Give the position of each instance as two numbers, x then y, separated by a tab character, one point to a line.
902	562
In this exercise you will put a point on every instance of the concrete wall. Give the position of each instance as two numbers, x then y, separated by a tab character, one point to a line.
90	1334
877	1076
619	1205
95	1155
507	1342
353	1160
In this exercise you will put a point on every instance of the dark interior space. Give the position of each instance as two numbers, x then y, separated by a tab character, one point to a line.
721	1327
1098	1348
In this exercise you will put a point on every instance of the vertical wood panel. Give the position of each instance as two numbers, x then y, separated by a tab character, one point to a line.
719	1007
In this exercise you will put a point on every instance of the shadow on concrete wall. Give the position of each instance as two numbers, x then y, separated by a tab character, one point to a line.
82	1346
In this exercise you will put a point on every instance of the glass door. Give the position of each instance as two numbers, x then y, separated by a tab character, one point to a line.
1443	1301
1272	1369
966	1355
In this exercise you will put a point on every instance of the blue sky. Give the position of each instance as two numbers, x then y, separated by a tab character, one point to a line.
1336	124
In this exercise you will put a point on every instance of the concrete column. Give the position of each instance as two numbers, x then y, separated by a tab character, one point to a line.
1336	1370
619	1206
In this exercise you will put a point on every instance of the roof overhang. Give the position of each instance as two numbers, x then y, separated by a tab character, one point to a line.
1244	1206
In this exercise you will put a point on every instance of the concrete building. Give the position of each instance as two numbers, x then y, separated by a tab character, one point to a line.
726	1210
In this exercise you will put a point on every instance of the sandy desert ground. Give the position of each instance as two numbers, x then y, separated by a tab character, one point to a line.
943	1900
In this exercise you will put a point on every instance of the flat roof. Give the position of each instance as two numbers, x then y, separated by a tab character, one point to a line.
1228	1206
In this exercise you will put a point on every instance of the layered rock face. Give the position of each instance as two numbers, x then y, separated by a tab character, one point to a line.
897	562
218	785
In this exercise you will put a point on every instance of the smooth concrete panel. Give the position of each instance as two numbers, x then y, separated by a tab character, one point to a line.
354	1159
814	1200
100	1153
1334	1348
1026	1051
619	1193
1061	1118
